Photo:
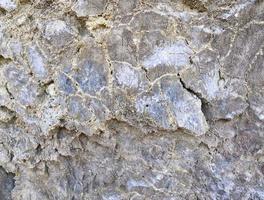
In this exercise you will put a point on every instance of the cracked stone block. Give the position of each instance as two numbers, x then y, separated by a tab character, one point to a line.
171	105
205	78
185	107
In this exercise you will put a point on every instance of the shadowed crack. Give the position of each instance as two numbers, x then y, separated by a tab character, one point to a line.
4	60
204	102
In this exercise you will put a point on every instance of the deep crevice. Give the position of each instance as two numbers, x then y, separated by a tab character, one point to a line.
146	73
204	102
9	93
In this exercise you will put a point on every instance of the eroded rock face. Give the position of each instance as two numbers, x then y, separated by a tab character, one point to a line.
131	99
7	184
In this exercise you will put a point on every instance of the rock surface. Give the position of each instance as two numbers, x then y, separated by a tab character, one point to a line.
131	99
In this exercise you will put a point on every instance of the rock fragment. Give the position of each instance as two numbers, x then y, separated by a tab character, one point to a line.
226	98
121	46
58	33
85	8
129	78
172	106
8	5
168	58
37	62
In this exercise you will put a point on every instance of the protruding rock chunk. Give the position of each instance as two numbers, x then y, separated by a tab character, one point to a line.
170	105
58	33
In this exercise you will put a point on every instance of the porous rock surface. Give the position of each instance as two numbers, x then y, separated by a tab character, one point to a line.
131	99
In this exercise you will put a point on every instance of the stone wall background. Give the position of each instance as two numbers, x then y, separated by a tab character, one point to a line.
131	99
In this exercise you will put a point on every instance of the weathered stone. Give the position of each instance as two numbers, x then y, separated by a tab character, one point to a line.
141	22
91	77
121	46
131	99
5	114
85	8
168	58
171	106
245	47
153	106
225	98
91	73
127	6
20	86
58	33
77	109
7	184
65	84
8	5
130	79
256	100
37	62
185	107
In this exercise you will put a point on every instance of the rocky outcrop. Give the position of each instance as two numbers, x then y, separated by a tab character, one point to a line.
131	99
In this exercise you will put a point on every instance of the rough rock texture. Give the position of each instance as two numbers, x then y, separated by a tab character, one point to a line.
131	99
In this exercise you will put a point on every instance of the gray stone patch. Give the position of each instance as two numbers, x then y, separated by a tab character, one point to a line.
7	184
91	77
85	8
58	33
129	78
171	105
37	62
131	99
